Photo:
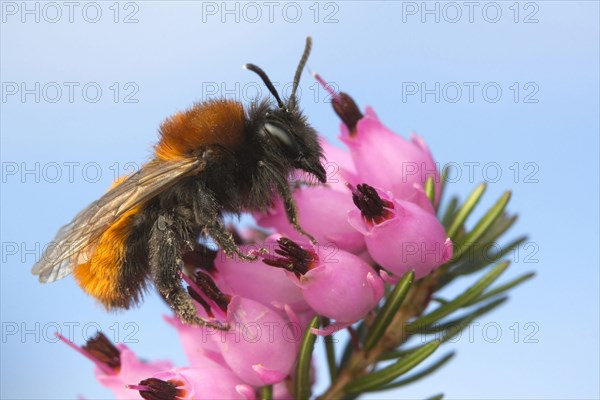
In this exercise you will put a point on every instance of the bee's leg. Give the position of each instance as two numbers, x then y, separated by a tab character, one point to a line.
216	229
165	264
208	216
292	211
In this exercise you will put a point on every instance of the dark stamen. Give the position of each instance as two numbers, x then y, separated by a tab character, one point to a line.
210	289
202	289
104	351
293	257
345	107
157	389
200	301
374	209
100	351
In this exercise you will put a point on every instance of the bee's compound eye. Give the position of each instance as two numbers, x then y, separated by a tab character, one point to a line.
283	137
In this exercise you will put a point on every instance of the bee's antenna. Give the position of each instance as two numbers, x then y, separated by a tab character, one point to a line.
301	65
267	81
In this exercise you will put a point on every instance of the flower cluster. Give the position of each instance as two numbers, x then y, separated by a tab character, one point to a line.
372	222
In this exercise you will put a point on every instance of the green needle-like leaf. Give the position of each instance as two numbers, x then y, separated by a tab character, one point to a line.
471	266
439	300
266	393
302	381
503	223
436	397
483	225
502	288
486	244
444	178
392	355
430	190
465	319
465	210
469	295
376	379
449	212
450	328
390	308
330	351
428	371
457	329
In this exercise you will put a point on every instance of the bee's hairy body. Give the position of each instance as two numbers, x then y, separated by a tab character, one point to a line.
213	159
231	182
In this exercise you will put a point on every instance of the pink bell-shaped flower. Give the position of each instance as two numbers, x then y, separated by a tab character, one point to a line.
211	381
257	281
116	365
387	160
254	341
380	156
257	347
400	235
335	283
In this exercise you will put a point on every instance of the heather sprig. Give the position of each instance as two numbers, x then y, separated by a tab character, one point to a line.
388	242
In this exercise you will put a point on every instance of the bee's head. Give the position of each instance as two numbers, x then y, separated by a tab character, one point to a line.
283	132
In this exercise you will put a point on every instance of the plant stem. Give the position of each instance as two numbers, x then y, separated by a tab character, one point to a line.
267	392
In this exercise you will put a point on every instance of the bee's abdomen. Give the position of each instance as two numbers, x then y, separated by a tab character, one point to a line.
101	275
115	273
220	122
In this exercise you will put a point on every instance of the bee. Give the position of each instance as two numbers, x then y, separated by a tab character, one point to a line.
213	159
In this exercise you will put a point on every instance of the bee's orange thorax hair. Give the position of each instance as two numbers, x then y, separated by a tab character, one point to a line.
219	122
99	276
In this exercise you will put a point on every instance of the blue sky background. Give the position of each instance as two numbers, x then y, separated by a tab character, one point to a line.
544	143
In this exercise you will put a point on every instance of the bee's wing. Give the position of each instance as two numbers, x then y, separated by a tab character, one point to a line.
75	240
